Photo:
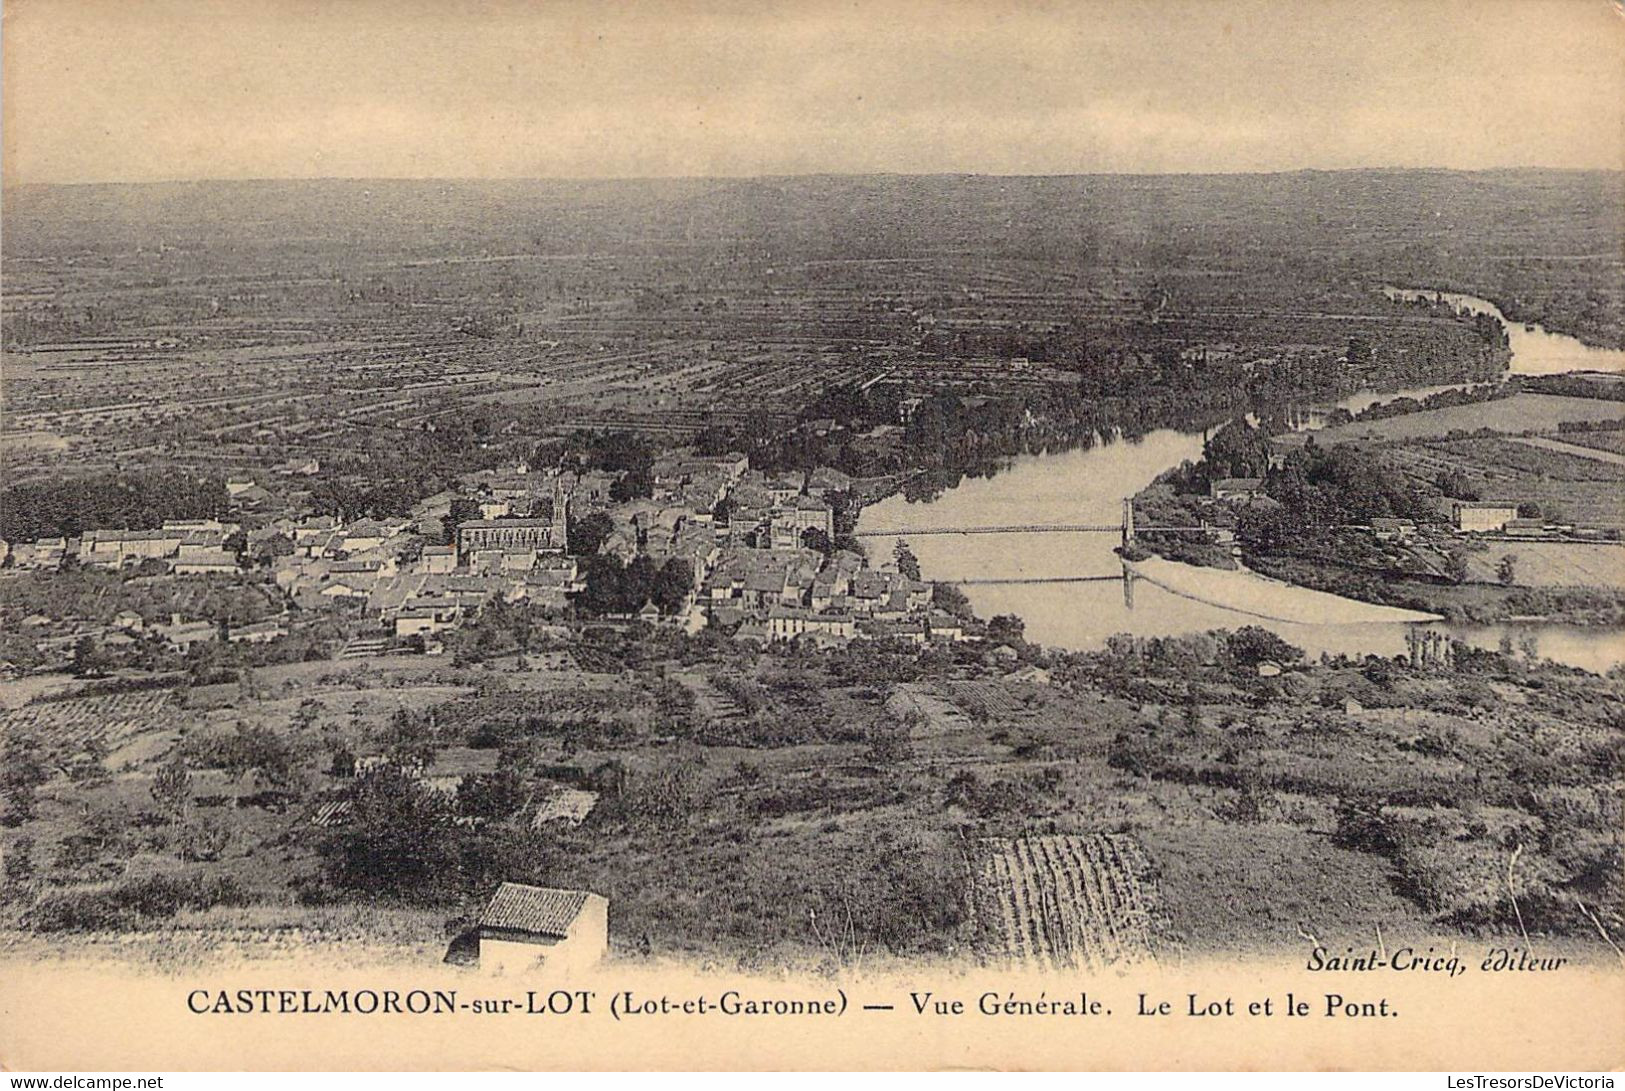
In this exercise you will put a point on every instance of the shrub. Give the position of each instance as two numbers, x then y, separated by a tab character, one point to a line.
1362	826
1250	800
130	903
19	867
401	841
1133	752
1467	883
490	795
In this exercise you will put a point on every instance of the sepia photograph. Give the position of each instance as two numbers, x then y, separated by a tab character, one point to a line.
919	535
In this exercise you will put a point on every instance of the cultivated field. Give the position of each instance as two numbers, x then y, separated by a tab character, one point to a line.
1595	453
1520	413
81	721
1606	440
1567	487
1065	902
1552	564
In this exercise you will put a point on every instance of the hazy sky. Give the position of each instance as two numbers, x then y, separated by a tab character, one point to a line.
163	89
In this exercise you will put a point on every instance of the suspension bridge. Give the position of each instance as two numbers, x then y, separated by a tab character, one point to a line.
1021	528
1127	529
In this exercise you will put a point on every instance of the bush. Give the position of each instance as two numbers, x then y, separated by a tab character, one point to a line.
910	896
401	841
1251	799
1467	883
1133	752
130	903
1362	826
491	796
19	867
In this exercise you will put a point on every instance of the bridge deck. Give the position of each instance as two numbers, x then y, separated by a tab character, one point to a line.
1023	528
992	582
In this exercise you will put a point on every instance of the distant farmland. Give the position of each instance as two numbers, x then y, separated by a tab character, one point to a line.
1514	415
1553	564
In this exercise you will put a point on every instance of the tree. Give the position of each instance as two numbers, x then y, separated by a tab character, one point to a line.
1455	565
255	748
672	585
1455	484
1362	825
408	739
1236	450
588	534
203	839
638	583
1007	629
712	440
1251	645
123	499
88	658
343	764
460	512
268	549
602	576
22	770
815	538
490	795
401	841
907	563
172	786
1507	570
304	717
666	793
634	484
951	600
19	866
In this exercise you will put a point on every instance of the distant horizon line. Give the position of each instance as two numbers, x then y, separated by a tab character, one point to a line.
329	178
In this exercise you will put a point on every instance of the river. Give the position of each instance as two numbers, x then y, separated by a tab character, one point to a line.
1534	350
1088	486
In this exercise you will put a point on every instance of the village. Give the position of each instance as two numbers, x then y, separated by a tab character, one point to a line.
749	553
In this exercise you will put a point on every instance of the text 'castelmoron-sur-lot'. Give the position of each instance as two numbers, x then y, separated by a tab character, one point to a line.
629	1004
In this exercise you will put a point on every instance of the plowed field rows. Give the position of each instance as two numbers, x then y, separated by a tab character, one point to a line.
1065	901
77	721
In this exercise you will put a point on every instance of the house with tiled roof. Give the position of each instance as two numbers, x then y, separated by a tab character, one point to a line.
789	622
764	587
912	631
1236	488
528	928
114	547
207	562
258	632
437	559
785	487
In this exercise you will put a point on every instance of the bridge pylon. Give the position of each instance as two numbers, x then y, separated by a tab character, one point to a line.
1128	520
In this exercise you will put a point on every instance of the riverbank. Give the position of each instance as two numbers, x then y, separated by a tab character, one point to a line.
1422	455
1498	581
1266	598
1468	603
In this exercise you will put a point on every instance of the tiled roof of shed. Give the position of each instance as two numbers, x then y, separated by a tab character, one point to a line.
533	909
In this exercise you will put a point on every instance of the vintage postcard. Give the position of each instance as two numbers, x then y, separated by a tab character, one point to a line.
932	535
